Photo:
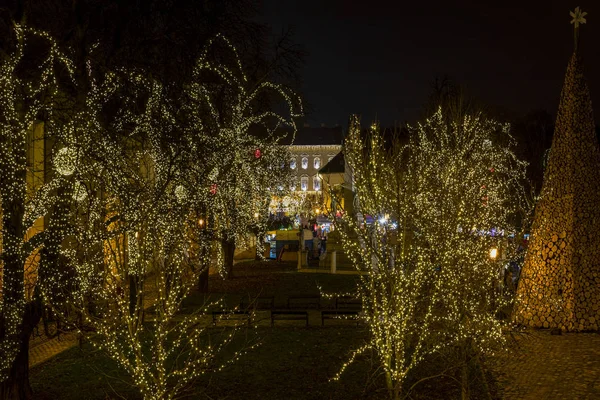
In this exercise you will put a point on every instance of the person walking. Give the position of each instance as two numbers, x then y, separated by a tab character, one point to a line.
316	246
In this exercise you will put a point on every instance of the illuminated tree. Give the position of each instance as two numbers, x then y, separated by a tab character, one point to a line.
134	244
239	161
29	252
122	210
143	186
430	282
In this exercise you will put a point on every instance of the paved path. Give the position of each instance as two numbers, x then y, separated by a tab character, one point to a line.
43	349
546	366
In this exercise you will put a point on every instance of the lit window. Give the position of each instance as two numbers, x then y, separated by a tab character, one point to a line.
293	185
317	163
304	183
316	183
304	162
293	163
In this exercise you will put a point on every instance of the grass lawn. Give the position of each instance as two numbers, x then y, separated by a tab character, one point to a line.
291	362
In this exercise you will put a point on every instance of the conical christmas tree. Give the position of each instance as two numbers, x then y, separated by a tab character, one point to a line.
560	281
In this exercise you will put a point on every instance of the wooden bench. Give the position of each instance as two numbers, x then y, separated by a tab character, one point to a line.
288	315
348	303
258	303
304	302
237	315
345	314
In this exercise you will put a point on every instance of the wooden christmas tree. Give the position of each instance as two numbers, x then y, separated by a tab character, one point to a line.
560	281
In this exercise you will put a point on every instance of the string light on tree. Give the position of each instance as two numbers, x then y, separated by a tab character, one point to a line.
430	285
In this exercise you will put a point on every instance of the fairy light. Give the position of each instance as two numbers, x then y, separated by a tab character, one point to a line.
140	211
65	161
22	100
245	170
430	284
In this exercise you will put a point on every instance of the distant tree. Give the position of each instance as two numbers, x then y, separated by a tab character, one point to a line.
534	133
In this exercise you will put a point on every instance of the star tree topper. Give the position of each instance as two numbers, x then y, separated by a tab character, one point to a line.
578	18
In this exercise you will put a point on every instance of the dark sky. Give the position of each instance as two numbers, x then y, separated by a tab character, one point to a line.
381	57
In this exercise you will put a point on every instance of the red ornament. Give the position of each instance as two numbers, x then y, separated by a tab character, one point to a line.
213	188
492	169
257	153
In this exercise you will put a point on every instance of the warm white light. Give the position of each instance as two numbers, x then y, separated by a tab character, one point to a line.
493	253
213	174
65	161
180	193
200	222
79	191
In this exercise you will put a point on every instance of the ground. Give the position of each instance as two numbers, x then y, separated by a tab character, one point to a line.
294	362
544	366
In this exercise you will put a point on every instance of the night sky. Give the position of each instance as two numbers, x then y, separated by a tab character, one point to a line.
380	58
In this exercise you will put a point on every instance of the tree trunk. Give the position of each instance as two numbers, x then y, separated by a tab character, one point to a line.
259	239
464	378
228	252
133	293
17	386
203	280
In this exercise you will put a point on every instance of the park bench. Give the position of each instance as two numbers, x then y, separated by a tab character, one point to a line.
224	315
258	303
339	315
348	303
304	302
288	315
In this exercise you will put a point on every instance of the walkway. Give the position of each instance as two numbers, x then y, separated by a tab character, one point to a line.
42	349
546	366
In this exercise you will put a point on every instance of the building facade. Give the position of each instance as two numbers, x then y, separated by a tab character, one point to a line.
306	162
